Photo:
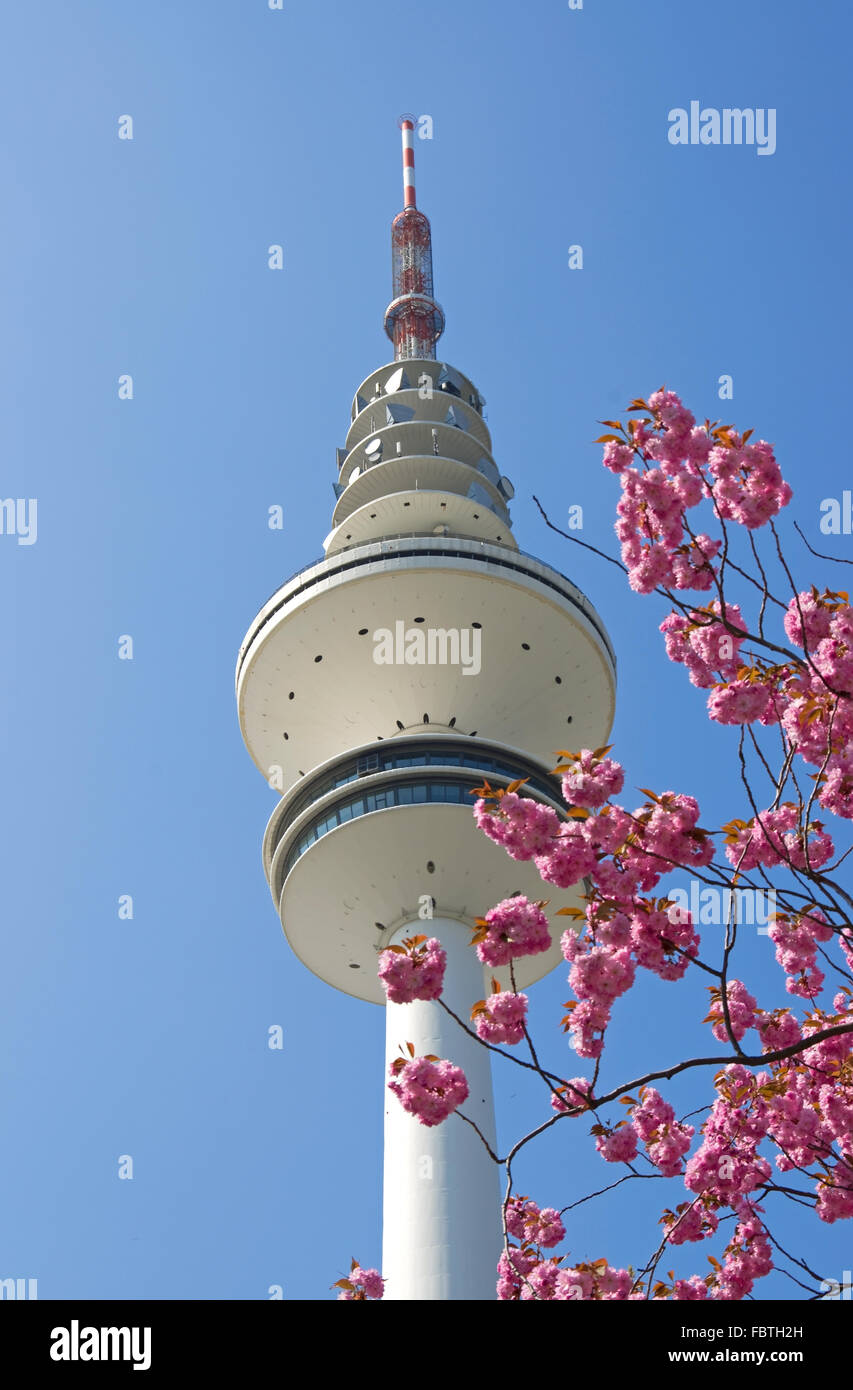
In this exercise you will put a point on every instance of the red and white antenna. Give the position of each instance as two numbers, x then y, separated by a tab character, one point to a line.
407	126
414	321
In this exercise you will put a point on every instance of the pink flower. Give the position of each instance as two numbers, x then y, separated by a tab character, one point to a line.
835	1196
738	702
620	1146
693	1288
573	1096
692	565
501	1018
414	970
741	1006
704	643
523	826
569	857
778	1029
747	1258
515	927
590	780
666	1139
512	1269
528	1223
618	457
807	615
691	1221
775	837
796	940
429	1090
361	1285
664	942
748	485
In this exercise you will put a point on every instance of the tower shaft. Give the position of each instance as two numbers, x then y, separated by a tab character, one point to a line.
441	1229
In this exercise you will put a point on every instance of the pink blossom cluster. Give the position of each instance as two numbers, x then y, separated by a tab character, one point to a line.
835	1193
569	857
818	717
524	1277
534	1225
572	1096
796	940
681	465
727	1166
693	1289
653	501
836	793
662	942
817	724
650	528
747	1257
589	779
748	485
666	1139
809	1101
741	1006
691	1221
523	827
777	1029
514	1266
804	1105
624	853
599	974
812	698
414	970
605	959
743	701
776	837
666	833
808	619
515	927
652	1122
636	850
501	1017
703	642
361	1285
618	1145
428	1088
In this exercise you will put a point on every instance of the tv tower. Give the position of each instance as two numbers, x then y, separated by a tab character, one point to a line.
423	654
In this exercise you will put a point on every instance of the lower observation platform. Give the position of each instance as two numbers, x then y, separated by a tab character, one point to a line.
348	893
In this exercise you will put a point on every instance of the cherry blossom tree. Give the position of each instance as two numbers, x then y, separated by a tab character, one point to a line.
778	1074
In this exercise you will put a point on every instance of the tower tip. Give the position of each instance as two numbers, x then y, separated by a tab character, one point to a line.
407	126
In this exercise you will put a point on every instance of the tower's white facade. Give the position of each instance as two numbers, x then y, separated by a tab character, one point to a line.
500	662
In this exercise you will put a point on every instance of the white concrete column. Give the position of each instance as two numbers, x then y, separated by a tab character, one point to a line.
441	1236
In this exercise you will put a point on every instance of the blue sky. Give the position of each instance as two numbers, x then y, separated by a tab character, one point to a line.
149	1037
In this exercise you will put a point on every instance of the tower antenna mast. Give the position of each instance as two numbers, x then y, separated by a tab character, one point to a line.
414	321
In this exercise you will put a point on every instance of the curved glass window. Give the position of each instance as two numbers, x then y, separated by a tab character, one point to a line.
409	793
423	753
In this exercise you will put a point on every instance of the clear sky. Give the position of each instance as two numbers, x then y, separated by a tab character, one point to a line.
148	1037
